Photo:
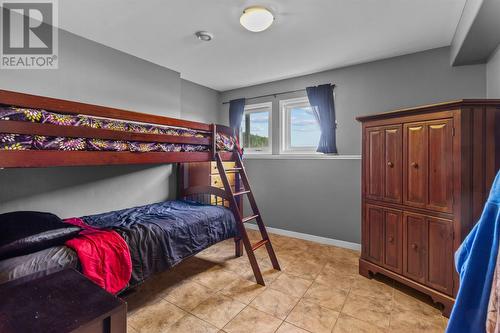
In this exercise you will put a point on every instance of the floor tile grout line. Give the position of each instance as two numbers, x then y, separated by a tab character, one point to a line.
207	321
392	305
185	313
345	301
269	288
248	305
204	321
190	314
230	320
339	312
342	308
393	289
321	270
300	299
284	321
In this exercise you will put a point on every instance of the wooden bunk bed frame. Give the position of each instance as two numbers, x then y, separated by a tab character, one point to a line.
56	158
34	159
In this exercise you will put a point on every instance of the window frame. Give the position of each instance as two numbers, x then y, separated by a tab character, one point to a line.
254	108
285	125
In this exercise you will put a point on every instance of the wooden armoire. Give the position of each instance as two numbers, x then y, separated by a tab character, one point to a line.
426	173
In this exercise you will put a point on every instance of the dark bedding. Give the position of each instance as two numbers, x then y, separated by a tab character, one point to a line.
38	264
11	141
161	235
28	232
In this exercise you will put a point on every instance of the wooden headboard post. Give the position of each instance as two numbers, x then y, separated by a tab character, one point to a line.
214	141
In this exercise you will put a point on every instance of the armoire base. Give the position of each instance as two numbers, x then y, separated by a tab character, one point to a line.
368	270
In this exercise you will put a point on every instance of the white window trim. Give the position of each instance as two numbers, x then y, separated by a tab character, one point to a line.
257	108
284	131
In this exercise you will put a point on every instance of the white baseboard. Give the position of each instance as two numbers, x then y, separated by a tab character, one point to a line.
312	238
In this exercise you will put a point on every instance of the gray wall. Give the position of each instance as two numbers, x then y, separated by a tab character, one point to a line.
322	197
476	36
93	73
405	81
199	103
469	14
319	197
316	197
493	75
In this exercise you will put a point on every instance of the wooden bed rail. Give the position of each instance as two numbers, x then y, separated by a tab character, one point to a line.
204	195
70	107
200	190
52	158
22	127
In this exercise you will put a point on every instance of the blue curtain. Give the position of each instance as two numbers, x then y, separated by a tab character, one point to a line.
236	111
321	99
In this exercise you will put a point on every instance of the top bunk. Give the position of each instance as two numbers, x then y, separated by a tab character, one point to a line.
38	131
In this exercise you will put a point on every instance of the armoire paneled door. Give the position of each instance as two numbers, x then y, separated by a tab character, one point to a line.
384	163
428	158
425	171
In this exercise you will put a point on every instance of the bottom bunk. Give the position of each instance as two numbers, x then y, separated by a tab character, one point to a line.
156	236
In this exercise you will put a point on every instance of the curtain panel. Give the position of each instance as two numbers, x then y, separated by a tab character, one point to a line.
236	111
322	100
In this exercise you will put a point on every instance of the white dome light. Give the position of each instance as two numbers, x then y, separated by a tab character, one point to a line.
256	19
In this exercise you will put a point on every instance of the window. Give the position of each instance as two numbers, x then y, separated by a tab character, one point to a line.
255	133
300	131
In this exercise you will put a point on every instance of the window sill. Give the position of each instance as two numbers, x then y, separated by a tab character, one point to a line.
300	157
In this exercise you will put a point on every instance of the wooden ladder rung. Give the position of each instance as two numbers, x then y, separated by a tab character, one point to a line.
249	218
240	193
235	200
233	169
259	244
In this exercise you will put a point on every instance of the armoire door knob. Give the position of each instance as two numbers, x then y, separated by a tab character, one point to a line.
414	246
414	164
391	239
390	164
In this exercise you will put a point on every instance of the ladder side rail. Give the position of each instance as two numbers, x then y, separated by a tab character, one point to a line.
256	211
238	216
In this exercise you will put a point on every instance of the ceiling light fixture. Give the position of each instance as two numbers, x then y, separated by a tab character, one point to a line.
204	35
256	19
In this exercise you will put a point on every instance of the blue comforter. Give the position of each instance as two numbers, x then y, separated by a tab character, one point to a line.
475	261
161	235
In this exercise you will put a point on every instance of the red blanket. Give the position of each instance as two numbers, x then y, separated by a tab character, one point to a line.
104	256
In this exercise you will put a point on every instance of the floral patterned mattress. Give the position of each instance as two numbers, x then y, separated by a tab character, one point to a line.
9	141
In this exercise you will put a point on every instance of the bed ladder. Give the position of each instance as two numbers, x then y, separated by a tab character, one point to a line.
234	197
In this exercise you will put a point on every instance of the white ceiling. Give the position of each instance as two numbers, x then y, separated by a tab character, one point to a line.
308	35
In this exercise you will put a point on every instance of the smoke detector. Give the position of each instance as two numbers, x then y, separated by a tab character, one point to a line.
204	36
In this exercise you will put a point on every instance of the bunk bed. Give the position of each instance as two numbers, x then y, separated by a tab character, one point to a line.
77	134
38	131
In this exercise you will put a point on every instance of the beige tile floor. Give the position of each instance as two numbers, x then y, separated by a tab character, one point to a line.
318	290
